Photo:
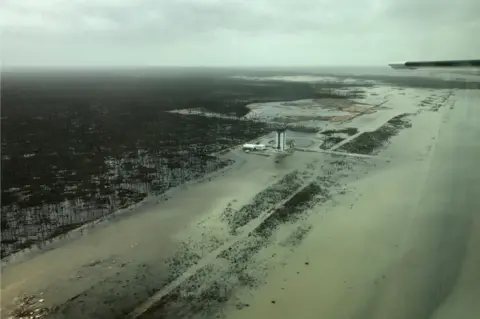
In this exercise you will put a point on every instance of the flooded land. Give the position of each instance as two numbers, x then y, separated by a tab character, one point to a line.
128	195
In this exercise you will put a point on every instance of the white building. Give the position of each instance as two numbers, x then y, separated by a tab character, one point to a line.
253	147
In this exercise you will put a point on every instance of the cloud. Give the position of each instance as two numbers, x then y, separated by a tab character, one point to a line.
236	32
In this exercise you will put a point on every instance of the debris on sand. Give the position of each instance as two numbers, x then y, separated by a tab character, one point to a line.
242	305
263	201
333	137
30	307
330	141
206	292
242	265
372	142
183	258
291	211
297	236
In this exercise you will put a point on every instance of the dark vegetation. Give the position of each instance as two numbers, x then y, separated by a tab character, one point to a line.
79	145
207	291
76	147
263	201
308	196
302	129
333	137
349	130
372	142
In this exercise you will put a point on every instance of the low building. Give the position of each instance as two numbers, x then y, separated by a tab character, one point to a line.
253	147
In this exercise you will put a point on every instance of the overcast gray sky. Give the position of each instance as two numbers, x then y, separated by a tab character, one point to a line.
236	32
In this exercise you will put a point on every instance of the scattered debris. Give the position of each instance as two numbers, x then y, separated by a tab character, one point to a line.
263	201
333	137
30	307
297	236
207	291
242	305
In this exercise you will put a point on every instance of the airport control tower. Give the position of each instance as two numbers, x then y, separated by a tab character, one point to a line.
281	139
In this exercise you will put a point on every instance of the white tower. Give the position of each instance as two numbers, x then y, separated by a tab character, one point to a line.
281	140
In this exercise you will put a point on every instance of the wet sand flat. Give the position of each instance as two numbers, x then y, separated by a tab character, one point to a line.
398	238
126	259
403	245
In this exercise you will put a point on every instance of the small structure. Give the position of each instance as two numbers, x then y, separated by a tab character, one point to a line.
281	139
253	147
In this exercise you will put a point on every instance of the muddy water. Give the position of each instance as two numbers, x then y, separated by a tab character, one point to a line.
405	244
401	241
348	249
116	267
